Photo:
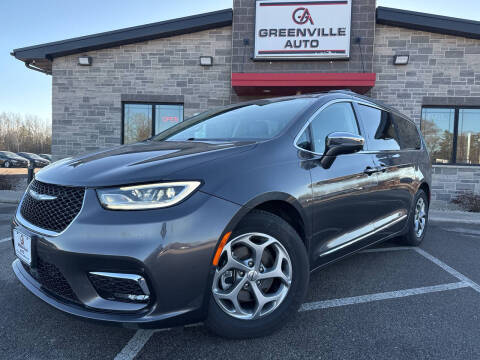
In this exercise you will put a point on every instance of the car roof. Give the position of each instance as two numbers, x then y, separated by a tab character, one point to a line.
346	94
349	94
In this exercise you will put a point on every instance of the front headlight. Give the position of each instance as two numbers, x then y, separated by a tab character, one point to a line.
150	196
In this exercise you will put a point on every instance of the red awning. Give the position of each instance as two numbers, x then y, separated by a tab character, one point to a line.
292	83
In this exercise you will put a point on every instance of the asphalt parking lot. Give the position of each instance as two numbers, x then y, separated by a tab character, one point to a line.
389	302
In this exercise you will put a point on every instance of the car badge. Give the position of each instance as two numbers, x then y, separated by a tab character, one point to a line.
41	197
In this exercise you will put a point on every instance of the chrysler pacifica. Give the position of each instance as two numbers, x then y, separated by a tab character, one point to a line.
222	217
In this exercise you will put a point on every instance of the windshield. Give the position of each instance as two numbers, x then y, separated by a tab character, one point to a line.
261	120
8	153
31	156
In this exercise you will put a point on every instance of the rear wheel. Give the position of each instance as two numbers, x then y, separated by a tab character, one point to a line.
260	280
6	164
418	221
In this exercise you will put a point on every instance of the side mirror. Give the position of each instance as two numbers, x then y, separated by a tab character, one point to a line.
339	143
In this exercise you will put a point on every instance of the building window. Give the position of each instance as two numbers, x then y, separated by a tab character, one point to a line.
452	134
167	115
468	139
137	122
143	120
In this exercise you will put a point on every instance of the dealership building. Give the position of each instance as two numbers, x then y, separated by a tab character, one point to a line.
126	85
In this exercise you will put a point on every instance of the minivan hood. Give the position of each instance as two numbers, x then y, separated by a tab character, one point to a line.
144	162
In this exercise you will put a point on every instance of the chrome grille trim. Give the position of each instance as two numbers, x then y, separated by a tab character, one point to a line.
32	227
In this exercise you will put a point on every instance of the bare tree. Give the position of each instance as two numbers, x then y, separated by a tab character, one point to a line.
27	133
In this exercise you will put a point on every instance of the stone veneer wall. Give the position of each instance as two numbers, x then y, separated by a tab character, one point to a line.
87	99
442	70
449	181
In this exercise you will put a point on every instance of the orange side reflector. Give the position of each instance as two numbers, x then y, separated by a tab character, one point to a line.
220	248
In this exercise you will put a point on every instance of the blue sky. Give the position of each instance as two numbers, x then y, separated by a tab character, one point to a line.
25	23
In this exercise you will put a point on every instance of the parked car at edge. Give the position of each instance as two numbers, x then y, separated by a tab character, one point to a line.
46	156
36	160
9	159
222	217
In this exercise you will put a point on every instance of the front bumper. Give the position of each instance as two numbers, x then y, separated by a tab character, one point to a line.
171	248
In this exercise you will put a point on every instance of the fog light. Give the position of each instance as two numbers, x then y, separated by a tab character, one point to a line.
120	287
139	298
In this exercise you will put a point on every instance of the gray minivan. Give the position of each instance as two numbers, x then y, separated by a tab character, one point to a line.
222	217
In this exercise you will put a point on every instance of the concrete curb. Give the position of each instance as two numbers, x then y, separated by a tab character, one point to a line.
9	201
10	197
458	217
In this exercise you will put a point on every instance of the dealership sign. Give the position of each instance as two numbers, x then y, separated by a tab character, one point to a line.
286	29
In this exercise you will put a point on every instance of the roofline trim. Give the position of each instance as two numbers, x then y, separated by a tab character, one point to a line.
386	16
428	22
125	36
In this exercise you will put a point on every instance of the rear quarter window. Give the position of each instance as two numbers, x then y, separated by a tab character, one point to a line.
407	132
380	129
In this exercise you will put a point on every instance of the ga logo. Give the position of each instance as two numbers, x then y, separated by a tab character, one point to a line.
301	16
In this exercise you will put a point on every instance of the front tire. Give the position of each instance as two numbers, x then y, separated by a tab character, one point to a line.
261	278
418	221
6	164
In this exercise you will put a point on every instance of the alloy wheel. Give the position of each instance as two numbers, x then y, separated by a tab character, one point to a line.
253	276
420	219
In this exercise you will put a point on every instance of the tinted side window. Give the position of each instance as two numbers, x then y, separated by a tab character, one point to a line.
380	128
337	117
407	133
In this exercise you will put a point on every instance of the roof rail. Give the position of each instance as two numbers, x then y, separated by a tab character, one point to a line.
344	91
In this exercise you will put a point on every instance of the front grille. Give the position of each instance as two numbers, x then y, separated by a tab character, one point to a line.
54	215
116	289
51	278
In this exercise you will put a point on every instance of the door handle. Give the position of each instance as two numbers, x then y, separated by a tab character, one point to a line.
370	170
